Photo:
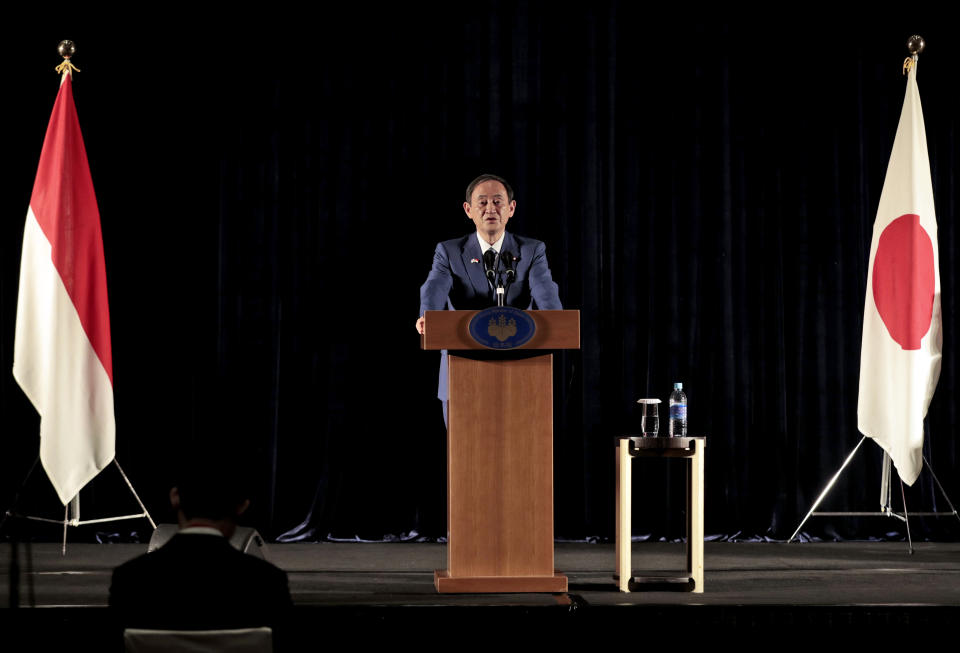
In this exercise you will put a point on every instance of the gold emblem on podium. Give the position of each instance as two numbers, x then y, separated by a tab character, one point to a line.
501	329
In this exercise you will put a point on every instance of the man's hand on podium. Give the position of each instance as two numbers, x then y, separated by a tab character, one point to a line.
421	328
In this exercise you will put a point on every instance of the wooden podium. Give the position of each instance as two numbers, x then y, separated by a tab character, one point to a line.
500	455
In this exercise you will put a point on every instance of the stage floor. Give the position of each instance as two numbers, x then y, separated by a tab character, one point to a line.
848	573
823	585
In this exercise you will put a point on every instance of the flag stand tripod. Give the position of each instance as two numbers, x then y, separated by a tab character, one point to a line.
886	508
71	511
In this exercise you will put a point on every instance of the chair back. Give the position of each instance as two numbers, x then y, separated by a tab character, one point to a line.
239	640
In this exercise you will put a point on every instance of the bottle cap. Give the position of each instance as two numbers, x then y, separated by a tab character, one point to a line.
678	386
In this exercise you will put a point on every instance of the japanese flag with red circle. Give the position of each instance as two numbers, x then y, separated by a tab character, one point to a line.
902	337
62	357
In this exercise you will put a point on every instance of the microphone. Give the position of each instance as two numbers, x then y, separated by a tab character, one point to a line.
508	260
489	264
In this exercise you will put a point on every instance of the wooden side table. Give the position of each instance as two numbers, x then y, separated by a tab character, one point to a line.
630	447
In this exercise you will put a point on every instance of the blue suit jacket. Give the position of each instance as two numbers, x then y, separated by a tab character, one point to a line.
456	281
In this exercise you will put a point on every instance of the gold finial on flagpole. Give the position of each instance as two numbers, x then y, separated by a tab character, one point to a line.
66	49
915	45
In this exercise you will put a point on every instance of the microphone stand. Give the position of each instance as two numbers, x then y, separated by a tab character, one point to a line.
490	260
510	273
496	275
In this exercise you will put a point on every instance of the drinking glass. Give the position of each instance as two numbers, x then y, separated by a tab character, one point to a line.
649	416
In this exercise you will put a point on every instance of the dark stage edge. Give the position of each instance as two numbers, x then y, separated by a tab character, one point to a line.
386	591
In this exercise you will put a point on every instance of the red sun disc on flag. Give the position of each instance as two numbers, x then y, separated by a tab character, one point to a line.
904	281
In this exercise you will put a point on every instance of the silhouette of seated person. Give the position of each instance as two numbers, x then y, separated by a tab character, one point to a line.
198	580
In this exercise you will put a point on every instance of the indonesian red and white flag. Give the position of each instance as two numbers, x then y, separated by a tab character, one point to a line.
902	336
62	356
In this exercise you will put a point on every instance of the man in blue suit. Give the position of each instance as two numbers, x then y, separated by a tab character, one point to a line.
457	280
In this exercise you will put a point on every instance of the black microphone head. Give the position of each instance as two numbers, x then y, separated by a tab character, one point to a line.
490	263
509	263
489	258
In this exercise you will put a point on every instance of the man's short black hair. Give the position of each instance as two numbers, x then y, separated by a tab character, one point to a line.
212	486
482	178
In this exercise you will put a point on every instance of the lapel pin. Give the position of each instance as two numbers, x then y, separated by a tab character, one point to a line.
474	260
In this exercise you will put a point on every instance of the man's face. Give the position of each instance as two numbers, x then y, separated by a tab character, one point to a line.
489	208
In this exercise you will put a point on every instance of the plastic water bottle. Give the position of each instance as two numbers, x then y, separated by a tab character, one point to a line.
678	411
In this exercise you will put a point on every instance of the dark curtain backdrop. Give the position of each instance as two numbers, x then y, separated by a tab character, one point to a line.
271	193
